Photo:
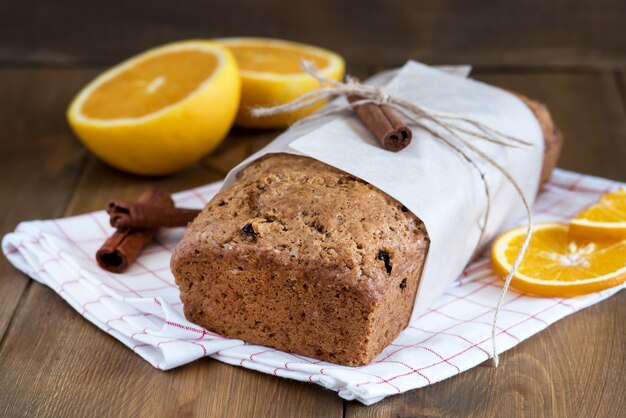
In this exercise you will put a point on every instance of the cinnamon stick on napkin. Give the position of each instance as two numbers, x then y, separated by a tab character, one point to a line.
125	215
384	123
136	224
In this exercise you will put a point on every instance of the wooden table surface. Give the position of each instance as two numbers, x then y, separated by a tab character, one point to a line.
577	367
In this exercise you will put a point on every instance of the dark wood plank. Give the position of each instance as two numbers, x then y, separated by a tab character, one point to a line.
240	144
589	110
568	370
529	32
621	82
38	157
99	183
54	363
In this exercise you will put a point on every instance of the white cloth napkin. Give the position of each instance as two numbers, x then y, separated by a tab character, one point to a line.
142	309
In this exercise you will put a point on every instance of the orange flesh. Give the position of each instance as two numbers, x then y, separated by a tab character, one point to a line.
279	60
610	208
150	85
554	255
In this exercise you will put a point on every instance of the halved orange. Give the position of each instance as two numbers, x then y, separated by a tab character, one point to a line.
160	111
604	219
271	74
557	264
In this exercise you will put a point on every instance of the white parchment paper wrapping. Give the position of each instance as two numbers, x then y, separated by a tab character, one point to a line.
428	177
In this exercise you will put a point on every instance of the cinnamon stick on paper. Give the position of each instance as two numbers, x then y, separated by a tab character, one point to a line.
384	123
125	215
123	247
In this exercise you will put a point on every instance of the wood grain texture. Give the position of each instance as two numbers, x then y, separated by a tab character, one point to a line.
523	33
38	158
588	108
620	77
569	370
55	364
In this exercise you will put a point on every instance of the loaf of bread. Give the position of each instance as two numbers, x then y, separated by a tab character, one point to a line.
305	258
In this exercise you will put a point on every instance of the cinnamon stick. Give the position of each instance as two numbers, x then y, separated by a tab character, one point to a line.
125	215
123	247
384	123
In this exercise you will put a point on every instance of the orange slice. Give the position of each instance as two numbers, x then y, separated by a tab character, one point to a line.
160	111
557	264
271	74
604	219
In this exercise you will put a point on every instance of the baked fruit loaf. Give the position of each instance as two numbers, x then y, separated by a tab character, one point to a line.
305	258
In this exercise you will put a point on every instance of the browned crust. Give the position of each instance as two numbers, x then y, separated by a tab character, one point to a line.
307	278
552	136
